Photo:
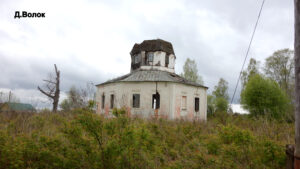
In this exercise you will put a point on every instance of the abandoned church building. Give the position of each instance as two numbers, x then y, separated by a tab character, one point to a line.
152	88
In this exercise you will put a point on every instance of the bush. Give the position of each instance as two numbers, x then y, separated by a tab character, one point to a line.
230	134
119	112
87	140
263	97
221	104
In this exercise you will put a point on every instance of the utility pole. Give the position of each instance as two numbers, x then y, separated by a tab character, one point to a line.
297	84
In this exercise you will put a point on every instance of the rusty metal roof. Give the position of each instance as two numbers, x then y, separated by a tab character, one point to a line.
152	76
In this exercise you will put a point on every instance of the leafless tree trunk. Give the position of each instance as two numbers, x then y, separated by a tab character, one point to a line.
297	83
52	88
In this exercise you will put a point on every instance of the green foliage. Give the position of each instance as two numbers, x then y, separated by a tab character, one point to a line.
221	90
119	112
272	153
221	104
79	98
65	105
213	148
91	104
210	105
190	71
252	69
87	140
280	68
233	135
263	97
218	101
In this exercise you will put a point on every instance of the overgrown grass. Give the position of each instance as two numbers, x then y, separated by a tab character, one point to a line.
81	139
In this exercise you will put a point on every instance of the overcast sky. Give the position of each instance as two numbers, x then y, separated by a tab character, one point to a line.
90	40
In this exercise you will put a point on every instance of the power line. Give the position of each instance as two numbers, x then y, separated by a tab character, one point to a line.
248	50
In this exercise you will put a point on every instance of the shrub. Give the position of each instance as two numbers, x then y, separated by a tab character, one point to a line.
230	134
213	148
119	112
221	104
263	97
87	140
272	154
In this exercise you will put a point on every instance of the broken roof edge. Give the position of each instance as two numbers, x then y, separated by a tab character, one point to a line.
122	79
152	46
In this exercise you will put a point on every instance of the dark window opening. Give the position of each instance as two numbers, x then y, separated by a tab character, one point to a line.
103	101
166	60
136	100
149	58
197	105
156	101
135	66
146	60
112	99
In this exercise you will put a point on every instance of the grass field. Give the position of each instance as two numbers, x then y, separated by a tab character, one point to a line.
81	139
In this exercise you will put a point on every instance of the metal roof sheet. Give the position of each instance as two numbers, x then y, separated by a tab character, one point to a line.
152	76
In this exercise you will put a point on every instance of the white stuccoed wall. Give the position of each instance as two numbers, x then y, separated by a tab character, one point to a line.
170	99
190	92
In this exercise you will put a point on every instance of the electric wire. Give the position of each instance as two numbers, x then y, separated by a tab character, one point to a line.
247	53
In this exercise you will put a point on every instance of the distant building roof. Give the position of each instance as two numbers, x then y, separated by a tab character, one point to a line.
152	76
17	107
152	46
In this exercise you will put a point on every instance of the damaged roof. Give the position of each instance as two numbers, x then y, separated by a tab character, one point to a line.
152	76
152	46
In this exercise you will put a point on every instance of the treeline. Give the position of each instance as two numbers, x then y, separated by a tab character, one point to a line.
82	139
267	91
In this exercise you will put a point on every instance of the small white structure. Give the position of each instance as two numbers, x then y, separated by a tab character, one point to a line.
152	89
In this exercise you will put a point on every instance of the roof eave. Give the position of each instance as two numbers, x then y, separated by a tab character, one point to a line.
198	85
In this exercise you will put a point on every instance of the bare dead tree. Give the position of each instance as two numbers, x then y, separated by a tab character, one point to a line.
52	88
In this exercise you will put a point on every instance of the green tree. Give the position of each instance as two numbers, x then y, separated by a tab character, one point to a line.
210	105
252	69
190	71
221	90
263	97
73	101
280	67
221	96
77	98
65	105
221	104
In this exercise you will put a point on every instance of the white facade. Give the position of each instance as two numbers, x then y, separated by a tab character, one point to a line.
152	89
171	99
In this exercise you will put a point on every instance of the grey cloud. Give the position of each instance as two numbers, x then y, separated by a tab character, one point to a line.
30	74
179	28
216	58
